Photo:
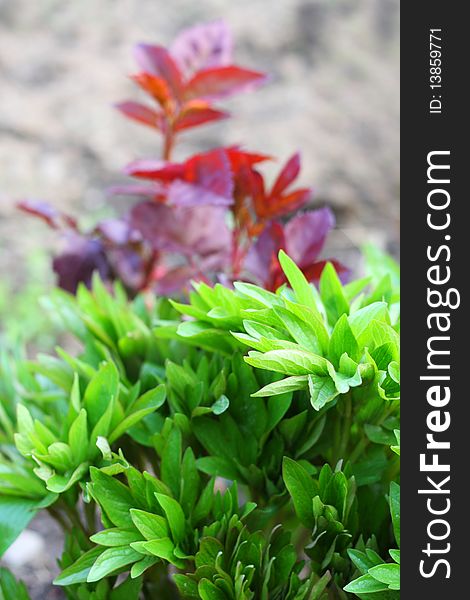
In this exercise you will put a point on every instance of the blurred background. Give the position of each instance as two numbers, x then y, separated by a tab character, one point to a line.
334	95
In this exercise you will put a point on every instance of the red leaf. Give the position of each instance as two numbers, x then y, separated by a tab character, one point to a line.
47	213
251	183
203	46
314	271
287	175
78	261
203	179
271	207
239	158
155	86
167	282
142	114
219	82
156	169
191	231
155	190
197	113
261	263
306	234
211	170
180	193
157	61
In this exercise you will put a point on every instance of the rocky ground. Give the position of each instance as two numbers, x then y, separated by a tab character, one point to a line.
334	95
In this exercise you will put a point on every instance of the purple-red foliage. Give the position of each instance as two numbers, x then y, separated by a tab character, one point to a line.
211	217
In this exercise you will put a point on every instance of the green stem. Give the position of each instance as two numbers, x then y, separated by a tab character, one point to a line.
58	517
90	515
346	429
364	441
342	431
75	518
337	440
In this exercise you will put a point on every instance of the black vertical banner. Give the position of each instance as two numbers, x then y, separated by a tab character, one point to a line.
435	334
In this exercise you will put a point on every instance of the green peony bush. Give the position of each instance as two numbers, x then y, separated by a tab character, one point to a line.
242	445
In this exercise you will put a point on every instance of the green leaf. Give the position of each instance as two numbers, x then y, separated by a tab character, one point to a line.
322	390
303	290
145	405
190	482
150	526
75	396
204	504
378	434
142	565
78	437
24	420
208	591
314	320
217	466
15	514
163	548
289	362
101	429
380	333
320	587
365	584
101	391
174	515
354	288
115	537
112	560
171	461
277	407
362	561
342	340
10	589
284	386
348	375
396	449
301	488
218	443
331	292
388	574
205	337
79	570
154	398
61	483
362	318
378	264
395	509
187	587
302	333
114	497
129	589
254	292
209	549
60	456
395	554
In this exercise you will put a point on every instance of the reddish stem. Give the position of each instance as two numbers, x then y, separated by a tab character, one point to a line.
168	144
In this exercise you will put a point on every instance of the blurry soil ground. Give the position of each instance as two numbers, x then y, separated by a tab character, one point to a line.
334	96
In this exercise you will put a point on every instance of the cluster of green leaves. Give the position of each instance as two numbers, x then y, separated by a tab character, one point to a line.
105	411
327	343
380	580
21	492
216	473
